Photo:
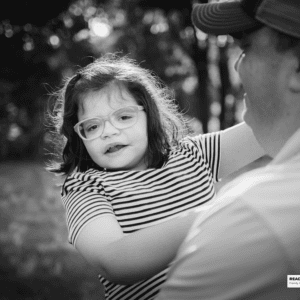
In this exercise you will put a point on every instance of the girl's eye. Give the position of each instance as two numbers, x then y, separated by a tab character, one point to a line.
91	128
125	117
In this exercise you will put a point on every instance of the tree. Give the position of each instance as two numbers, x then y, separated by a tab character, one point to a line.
41	48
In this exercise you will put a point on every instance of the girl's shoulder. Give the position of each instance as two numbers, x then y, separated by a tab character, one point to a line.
191	141
200	139
88	181
189	144
90	173
201	144
83	178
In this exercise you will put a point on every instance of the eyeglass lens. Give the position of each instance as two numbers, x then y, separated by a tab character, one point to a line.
122	118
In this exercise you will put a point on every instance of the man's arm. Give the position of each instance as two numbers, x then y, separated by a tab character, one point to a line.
228	254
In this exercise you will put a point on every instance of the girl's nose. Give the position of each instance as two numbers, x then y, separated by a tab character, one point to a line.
109	130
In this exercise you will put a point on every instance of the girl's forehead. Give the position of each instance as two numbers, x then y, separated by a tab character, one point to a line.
114	96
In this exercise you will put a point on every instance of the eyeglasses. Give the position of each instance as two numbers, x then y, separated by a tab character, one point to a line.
122	118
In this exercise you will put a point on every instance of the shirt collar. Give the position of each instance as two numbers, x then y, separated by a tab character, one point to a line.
290	151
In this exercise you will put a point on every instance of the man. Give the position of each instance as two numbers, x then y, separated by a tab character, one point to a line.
248	245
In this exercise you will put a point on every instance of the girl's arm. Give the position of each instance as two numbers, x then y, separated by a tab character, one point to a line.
239	147
127	259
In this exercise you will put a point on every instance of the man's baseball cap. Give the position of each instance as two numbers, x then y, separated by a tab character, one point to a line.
234	17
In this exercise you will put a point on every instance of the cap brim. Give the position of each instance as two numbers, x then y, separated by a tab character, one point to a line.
221	18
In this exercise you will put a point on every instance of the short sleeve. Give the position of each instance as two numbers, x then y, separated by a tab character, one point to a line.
84	199
208	145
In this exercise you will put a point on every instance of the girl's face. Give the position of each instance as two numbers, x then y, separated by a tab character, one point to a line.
115	149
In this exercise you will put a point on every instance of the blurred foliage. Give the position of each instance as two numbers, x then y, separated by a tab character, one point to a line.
47	42
36	261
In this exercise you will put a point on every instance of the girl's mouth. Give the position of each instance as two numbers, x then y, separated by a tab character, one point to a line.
115	148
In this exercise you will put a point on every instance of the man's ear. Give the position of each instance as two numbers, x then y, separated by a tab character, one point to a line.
294	83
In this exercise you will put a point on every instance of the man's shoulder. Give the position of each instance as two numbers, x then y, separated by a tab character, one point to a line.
268	195
270	181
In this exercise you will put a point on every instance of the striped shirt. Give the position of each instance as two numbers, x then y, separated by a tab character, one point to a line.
139	199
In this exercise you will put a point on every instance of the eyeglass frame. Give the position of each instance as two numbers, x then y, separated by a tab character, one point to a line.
107	118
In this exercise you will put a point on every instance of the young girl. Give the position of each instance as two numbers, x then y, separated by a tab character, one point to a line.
132	176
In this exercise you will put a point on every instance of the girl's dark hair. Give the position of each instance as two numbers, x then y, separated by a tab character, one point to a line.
165	124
